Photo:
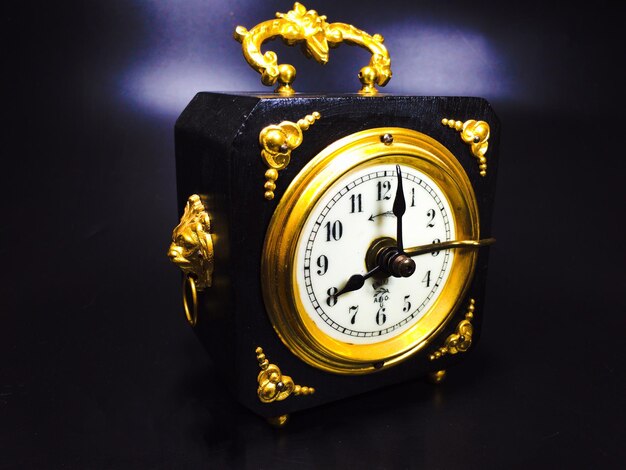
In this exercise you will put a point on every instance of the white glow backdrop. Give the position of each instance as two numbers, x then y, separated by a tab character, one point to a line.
189	48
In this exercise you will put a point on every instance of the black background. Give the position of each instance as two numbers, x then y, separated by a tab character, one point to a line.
98	368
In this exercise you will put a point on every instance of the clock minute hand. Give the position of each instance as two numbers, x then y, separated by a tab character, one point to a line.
422	249
399	208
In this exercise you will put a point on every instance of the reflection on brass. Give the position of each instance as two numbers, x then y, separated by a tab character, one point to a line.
437	377
306	27
476	134
461	339
277	141
191	313
192	247
273	385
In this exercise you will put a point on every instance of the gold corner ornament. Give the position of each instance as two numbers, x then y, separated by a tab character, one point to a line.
273	385
192	251
277	141
476	134
316	36
461	339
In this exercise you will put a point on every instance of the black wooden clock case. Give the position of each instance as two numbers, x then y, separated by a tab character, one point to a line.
218	157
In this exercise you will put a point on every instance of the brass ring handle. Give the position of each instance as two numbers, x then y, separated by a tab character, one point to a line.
189	283
192	251
316	36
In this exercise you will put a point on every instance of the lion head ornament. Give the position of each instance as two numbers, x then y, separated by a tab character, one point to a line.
192	246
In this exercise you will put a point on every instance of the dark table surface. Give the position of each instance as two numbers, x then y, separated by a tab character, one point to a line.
98	368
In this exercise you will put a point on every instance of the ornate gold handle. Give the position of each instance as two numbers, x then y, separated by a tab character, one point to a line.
316	35
192	251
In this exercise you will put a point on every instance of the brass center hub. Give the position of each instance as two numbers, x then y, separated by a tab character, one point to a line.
384	252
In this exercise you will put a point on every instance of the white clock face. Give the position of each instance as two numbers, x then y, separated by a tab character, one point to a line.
354	212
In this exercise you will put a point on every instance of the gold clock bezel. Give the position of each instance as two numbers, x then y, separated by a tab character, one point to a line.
278	278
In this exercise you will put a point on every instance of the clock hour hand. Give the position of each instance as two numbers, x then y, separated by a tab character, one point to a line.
357	281
399	208
433	247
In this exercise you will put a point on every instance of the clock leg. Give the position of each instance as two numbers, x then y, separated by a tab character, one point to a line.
278	421
437	377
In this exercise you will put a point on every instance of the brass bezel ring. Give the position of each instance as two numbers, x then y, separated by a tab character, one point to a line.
189	283
278	277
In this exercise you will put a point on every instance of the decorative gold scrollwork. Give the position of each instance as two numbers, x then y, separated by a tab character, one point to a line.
192	247
277	141
316	36
273	385
476	134
461	339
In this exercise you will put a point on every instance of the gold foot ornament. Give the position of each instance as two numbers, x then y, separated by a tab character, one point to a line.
279	421
437	377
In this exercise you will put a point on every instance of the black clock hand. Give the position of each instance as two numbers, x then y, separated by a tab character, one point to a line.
357	281
399	208
422	249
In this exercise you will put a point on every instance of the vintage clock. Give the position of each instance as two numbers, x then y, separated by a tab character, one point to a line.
331	244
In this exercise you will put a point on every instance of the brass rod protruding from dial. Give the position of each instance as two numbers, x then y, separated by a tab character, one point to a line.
433	247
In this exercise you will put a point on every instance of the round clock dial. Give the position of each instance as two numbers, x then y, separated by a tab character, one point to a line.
356	209
346	281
